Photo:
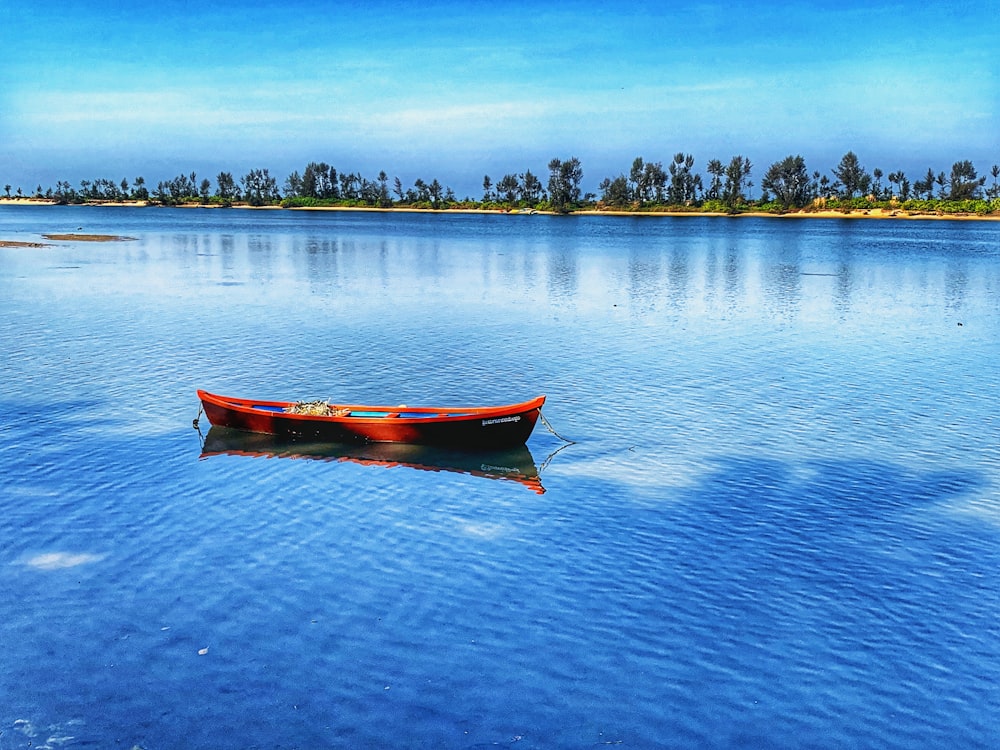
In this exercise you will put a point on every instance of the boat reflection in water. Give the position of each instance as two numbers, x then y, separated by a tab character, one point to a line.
510	464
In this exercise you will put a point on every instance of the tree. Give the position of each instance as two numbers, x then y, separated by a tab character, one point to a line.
139	189
814	185
204	190
925	186
105	189
564	182
647	181
896	178
964	183
7	190
507	188
420	191
293	185
319	180
487	189
531	188
616	192
788	179
369	191
328	184
397	188
226	186
384	200
308	188
350	185
177	190
435	191
852	175
737	180
259	188
161	194
928	184
656	181
994	192
65	193
683	183
637	176
715	169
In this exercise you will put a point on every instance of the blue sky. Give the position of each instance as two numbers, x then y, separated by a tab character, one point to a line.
456	90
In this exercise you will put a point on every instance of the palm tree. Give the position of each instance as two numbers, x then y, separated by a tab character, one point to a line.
896	178
715	169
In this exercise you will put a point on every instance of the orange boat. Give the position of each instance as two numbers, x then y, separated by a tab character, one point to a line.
476	427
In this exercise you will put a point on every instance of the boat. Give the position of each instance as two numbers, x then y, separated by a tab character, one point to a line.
513	464
467	427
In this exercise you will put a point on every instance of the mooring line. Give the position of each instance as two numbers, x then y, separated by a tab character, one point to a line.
550	428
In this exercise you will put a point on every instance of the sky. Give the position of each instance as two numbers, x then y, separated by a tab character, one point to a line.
455	90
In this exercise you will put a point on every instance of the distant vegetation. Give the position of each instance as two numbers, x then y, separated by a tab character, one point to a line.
786	185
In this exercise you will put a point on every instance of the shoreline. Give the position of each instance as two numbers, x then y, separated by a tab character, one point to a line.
880	214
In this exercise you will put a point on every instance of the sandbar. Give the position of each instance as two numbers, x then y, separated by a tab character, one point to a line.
17	243
87	238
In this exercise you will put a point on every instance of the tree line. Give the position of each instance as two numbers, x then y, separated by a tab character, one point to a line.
785	185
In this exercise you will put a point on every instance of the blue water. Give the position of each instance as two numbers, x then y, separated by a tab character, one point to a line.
778	524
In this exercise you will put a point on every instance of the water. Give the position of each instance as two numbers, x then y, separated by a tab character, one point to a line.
778	524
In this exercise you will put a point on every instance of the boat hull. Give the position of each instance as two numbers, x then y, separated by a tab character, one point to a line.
465	427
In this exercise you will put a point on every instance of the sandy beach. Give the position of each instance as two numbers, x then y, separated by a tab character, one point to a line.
868	213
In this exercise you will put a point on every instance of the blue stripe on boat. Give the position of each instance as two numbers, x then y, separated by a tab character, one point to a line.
372	414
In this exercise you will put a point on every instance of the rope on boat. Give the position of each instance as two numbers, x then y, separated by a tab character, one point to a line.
552	430
194	422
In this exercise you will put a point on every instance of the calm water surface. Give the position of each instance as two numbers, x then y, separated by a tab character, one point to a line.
778	524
